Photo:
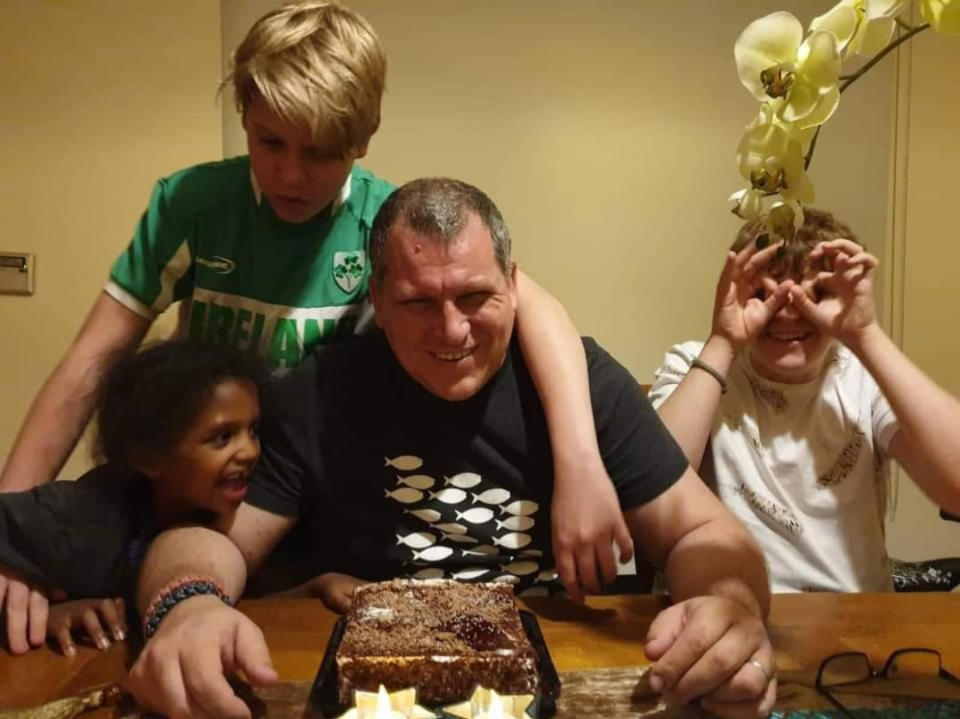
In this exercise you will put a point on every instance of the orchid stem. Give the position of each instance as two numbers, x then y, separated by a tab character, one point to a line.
848	80
903	23
882	54
813	145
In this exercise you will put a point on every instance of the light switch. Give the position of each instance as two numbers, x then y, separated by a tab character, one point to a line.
16	273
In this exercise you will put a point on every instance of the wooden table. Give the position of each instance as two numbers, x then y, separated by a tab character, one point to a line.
607	632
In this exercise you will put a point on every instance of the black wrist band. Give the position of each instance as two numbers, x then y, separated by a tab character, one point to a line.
700	364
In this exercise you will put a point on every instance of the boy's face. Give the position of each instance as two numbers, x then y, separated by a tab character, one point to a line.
298	177
790	349
210	466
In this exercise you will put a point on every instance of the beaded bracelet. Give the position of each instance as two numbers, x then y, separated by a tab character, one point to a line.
174	593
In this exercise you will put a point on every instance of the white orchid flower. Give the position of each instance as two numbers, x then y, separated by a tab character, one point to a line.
770	157
785	218
872	26
943	15
775	62
749	203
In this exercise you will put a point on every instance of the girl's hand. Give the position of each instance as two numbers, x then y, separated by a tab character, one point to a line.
336	590
845	309
96	617
745	299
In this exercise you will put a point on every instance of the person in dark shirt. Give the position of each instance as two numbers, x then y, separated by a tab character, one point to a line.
424	452
177	440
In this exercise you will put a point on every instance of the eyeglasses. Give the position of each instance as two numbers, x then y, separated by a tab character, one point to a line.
849	668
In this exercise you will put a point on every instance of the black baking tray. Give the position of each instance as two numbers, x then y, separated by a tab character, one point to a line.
325	702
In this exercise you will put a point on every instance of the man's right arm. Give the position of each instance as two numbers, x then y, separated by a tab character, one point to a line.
183	669
62	408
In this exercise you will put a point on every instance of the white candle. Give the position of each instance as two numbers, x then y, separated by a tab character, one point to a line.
495	709
384	708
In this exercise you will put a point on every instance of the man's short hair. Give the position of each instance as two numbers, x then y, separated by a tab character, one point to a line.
818	226
437	207
315	63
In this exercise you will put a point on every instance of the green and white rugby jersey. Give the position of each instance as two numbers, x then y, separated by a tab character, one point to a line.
248	279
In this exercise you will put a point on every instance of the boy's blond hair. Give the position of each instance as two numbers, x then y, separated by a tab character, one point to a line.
818	226
315	63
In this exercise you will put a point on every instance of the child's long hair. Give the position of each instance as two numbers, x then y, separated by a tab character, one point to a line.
149	400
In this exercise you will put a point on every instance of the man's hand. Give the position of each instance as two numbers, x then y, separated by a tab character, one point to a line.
182	671
745	300
846	309
25	608
717	650
587	520
94	616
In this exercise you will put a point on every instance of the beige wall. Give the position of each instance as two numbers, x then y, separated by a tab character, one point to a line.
926	310
606	133
99	98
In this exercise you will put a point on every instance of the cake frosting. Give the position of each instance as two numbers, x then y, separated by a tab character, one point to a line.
442	637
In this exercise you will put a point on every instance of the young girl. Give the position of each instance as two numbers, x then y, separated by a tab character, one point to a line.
178	439
796	402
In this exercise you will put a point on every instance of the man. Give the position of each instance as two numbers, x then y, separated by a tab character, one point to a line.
424	451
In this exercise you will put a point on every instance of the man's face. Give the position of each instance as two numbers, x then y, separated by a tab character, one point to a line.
446	308
790	349
299	177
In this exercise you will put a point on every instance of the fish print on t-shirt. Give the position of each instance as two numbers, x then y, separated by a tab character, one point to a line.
463	526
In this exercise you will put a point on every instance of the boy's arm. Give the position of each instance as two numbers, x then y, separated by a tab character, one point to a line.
24	608
62	408
554	354
927	442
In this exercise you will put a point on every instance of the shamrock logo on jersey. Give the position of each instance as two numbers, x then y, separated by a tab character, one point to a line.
348	269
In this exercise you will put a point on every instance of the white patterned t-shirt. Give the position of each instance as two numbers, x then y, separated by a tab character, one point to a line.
803	466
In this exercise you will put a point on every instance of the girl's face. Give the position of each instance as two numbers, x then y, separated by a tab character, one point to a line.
210	466
790	350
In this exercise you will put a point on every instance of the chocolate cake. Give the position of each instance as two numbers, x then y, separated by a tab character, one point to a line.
441	636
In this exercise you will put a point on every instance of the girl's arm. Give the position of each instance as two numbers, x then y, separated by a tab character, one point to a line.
739	314
927	443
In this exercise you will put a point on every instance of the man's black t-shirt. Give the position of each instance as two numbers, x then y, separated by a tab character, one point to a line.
391	480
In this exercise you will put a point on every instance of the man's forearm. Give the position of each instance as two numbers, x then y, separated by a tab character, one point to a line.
720	559
190	551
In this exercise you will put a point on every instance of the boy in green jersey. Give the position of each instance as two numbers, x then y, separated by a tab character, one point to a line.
267	252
